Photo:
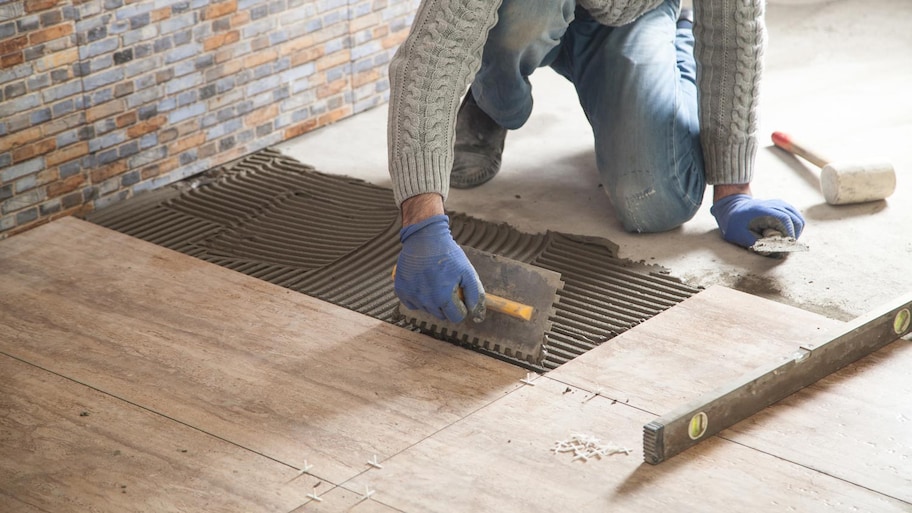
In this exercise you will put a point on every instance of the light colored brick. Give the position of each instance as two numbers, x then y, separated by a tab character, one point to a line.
176	85
23	200
20	104
306	56
59	92
220	9
19	138
99	80
35	149
337	32
144	127
297	45
262	115
13	44
179	22
99	47
181	145
125	119
160	14
68	153
394	40
333	60
332	88
67	185
366	49
47	175
19	170
39	5
16	73
240	18
108	140
220	100
224	70
365	22
380	32
167	135
55	60
147	157
102	173
161	167
50	33
221	39
366	77
11	59
104	110
300	128
140	34
75	121
258	58
133	9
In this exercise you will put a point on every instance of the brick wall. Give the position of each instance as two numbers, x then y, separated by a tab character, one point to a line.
102	99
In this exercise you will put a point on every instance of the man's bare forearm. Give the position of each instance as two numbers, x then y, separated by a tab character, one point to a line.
420	207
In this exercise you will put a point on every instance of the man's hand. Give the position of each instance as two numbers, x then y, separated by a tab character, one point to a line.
432	267
742	218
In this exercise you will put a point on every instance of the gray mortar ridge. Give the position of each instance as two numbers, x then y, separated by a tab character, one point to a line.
336	238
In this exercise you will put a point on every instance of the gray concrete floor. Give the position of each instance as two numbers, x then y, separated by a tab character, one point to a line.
837	76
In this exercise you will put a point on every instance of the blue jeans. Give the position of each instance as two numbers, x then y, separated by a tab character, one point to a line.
636	85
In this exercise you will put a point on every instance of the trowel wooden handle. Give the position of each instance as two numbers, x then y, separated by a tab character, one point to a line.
785	141
501	304
507	306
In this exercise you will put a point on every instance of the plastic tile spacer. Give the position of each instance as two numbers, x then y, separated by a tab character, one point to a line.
530	376
374	463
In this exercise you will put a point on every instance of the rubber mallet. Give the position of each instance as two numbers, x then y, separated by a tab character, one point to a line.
843	183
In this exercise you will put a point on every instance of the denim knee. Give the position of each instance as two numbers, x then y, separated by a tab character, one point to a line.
527	36
648	203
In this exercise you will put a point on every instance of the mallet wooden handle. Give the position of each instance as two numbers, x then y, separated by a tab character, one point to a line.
785	142
501	304
844	183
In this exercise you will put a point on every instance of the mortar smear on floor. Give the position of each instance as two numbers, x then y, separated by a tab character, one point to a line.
336	238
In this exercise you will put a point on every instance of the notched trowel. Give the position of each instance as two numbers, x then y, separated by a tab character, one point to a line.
775	244
505	332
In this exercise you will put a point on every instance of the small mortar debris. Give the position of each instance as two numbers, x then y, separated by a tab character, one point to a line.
586	447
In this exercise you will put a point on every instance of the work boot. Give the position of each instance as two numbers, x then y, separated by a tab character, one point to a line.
478	147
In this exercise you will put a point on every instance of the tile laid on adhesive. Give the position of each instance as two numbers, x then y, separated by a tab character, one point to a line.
67	447
502	459
705	342
284	375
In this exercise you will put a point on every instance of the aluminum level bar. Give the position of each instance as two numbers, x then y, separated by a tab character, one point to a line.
688	425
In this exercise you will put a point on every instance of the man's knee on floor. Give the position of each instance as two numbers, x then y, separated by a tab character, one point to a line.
650	210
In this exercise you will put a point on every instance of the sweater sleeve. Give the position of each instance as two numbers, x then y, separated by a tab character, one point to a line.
428	75
730	40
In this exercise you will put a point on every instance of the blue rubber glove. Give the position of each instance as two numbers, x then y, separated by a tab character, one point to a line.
742	218
432	268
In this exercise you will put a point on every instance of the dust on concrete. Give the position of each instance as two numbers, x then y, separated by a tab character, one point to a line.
771	289
757	285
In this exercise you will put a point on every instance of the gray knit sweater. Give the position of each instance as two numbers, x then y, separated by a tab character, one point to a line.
441	55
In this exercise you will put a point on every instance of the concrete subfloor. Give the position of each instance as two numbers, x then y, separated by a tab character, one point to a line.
837	77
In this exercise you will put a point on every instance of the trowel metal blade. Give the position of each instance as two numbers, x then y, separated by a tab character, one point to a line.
778	246
514	339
